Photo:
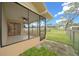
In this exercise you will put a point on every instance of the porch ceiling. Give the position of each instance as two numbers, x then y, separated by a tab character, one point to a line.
47	15
39	6
42	9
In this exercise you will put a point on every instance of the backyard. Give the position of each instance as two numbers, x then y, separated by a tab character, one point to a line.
57	43
40	29
58	35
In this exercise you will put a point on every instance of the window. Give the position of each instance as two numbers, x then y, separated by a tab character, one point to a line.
14	29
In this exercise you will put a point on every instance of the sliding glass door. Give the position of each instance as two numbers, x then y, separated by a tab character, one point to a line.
42	28
33	25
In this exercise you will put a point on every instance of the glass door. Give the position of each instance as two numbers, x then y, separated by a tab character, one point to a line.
42	28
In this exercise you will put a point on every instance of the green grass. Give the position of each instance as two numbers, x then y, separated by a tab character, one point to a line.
42	51
58	35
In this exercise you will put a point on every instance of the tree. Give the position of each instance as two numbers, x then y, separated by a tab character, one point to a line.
72	13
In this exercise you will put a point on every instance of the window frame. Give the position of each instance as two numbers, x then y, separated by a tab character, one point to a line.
14	25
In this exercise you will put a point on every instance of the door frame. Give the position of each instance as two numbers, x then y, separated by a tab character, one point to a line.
1	24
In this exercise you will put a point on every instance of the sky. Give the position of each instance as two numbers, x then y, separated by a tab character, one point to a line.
56	9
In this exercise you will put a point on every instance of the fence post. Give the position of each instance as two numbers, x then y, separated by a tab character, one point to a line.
70	32
78	46
73	33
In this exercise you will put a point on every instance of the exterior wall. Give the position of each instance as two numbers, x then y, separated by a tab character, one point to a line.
0	24
22	30
18	48
4	29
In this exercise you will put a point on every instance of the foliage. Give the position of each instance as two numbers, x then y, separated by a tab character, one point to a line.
72	13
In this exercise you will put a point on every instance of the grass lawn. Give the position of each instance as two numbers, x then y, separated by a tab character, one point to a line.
58	35
42	51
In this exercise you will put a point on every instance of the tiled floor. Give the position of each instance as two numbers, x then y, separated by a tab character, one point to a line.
13	39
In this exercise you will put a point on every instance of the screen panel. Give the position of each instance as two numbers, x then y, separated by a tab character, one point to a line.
42	28
33	24
16	16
